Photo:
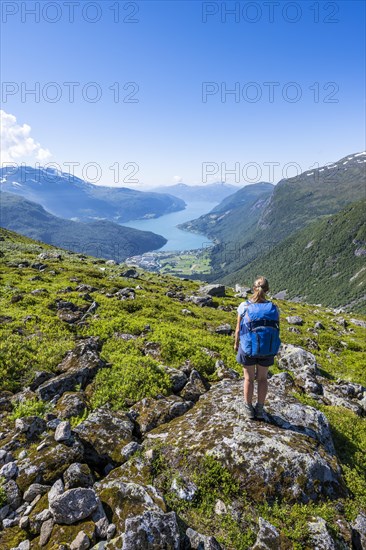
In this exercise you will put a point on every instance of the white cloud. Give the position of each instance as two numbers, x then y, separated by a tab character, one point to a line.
178	179
16	143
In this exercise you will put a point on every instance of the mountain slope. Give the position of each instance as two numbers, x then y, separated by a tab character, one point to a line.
213	192
294	203
297	201
234	215
153	436
324	262
101	238
71	197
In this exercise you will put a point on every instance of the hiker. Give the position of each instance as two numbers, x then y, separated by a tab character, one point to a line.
256	343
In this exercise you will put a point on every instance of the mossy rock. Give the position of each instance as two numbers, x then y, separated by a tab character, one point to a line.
124	499
136	470
71	404
49	464
104	434
41	505
65	534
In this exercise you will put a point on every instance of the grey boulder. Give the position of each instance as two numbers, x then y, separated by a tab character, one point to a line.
78	475
213	290
73	505
152	531
359	532
63	432
283	456
268	537
294	320
320	536
31	426
198	541
104	434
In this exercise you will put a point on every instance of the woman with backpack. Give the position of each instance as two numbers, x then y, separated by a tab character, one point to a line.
257	342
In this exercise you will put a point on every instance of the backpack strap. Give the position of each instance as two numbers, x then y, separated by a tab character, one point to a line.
247	304
262	323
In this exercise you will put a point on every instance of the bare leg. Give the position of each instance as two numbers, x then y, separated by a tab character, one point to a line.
249	375
262	379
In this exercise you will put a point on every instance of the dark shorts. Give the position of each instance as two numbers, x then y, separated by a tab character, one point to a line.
248	361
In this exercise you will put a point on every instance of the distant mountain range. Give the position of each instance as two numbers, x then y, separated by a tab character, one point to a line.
247	234
102	238
73	198
213	192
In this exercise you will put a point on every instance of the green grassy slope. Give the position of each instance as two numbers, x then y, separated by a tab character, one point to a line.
35	338
325	262
294	203
100	238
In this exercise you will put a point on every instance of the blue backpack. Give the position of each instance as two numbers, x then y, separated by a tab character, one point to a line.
260	330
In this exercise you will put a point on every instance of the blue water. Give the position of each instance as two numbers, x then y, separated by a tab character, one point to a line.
166	226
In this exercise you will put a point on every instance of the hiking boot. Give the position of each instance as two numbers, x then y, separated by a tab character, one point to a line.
249	411
259	411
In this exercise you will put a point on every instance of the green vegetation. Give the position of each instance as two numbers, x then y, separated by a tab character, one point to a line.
132	377
34	337
320	262
213	482
3	497
29	407
292	521
76	420
194	263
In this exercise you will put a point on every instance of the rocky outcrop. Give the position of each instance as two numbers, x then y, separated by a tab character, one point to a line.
152	531
106	482
122	499
303	366
130	274
31	426
268	537
198	541
294	320
320	536
202	300
195	387
71	404
150	413
77	369
104	434
78	475
178	378
359	532
224	329
279	458
47	466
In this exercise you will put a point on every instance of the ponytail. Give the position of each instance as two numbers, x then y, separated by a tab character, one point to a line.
260	288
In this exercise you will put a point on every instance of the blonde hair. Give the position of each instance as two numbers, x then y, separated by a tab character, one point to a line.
260	287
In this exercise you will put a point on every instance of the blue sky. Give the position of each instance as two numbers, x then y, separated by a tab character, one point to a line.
312	51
